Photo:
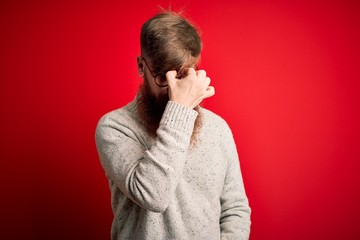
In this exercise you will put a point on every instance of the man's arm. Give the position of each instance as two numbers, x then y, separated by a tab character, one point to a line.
148	177
235	211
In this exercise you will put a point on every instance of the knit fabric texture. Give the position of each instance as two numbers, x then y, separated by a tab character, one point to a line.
164	188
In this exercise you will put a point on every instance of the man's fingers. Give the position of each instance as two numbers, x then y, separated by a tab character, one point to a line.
190	71
210	91
191	89
171	76
208	81
201	73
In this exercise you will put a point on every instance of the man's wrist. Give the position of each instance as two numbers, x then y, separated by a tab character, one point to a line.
179	116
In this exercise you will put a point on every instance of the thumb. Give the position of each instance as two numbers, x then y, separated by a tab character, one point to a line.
171	76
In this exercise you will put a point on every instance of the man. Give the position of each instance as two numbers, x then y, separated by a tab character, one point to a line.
172	166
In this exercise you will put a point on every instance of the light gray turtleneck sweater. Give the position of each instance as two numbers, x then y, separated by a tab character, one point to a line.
165	189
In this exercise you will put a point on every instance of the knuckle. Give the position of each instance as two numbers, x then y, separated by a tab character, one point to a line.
202	72
191	70
169	73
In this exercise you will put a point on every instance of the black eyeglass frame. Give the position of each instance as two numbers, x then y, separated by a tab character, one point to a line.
155	76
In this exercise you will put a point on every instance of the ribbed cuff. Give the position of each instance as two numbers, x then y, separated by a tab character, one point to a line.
179	117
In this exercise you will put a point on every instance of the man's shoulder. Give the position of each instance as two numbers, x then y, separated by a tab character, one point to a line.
121	115
213	117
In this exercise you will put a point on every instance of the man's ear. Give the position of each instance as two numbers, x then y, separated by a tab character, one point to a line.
140	64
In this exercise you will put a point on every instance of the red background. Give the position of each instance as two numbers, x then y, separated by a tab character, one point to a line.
287	81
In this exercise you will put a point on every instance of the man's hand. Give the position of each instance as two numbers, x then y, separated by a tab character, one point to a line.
190	90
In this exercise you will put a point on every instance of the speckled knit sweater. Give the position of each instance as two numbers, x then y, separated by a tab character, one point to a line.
165	189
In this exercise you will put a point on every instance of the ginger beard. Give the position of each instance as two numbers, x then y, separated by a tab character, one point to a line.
151	108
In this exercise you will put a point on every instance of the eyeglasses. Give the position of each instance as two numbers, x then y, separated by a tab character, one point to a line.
159	79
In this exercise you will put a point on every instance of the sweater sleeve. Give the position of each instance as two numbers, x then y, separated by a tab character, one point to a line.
147	176
235	211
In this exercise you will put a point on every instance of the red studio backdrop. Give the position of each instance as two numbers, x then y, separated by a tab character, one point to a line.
286	75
